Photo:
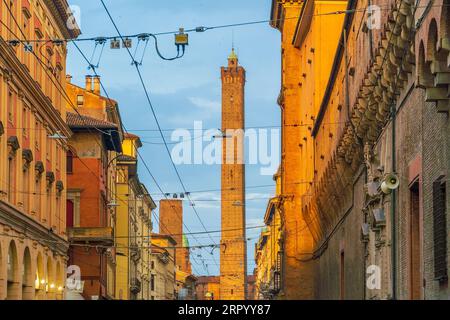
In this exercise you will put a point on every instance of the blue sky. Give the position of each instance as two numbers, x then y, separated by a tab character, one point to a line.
188	90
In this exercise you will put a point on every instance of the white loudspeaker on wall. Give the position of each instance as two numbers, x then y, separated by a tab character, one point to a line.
390	182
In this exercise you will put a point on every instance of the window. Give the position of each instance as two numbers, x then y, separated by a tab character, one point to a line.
69	162
49	148
152	282
70	214
152	265
11	178
10	20
26	189
48	212
440	230
26	30
414	243
11	107
37	196
80	100
25	117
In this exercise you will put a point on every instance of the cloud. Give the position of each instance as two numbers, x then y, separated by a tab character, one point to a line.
205	104
258	196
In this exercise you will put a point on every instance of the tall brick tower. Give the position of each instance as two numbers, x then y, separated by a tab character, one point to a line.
233	249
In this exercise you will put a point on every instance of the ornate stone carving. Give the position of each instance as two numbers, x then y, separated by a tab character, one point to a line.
27	156
39	169
50	177
59	186
13	146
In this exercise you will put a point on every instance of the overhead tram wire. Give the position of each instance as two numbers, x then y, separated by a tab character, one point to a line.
200	29
168	130
137	150
154	115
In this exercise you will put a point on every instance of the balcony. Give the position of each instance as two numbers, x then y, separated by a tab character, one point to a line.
103	235
135	286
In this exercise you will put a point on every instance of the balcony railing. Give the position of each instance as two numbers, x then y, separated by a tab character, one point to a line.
104	235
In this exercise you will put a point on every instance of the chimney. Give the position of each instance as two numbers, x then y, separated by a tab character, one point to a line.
88	83
96	84
68	78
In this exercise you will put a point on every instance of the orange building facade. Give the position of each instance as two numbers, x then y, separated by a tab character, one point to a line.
33	237
308	47
91	174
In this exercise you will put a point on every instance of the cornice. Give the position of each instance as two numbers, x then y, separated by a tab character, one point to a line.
278	11
60	11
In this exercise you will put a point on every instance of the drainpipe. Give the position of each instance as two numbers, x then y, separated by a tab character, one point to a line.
393	209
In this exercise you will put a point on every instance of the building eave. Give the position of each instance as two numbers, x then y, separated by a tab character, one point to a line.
270	205
276	21
303	23
61	12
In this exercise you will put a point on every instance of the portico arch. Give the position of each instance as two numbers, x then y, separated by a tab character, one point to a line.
27	277
39	284
13	279
51	286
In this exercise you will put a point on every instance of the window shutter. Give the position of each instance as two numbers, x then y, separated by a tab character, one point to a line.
440	231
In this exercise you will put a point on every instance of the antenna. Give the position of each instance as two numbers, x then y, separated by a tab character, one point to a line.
232	39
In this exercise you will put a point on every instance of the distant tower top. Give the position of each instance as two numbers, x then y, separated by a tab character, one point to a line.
233	59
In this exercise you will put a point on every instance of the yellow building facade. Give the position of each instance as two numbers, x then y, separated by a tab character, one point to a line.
309	40
163	268
133	226
33	239
268	250
145	205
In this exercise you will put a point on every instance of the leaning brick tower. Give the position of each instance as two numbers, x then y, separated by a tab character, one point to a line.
233	248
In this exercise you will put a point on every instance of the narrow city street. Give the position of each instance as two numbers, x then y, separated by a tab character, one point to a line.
238	151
